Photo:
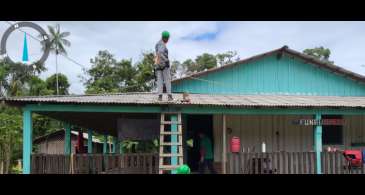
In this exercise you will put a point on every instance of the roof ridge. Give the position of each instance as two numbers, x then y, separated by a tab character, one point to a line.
232	64
285	48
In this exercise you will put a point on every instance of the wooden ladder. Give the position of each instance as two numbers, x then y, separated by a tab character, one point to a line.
175	143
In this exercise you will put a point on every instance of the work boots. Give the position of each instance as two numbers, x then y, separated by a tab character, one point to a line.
168	99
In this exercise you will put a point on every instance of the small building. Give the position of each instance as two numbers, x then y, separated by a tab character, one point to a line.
54	143
282	103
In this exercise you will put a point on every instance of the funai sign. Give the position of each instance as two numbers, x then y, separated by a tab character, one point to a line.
312	122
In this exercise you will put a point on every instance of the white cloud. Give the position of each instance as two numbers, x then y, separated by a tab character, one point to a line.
128	39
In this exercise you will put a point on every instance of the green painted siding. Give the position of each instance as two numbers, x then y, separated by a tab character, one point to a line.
269	75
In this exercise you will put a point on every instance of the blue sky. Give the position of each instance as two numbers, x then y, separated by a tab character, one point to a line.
189	39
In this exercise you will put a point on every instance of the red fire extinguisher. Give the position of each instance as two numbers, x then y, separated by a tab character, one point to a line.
235	144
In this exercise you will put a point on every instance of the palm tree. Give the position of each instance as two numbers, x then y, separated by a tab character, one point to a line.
57	44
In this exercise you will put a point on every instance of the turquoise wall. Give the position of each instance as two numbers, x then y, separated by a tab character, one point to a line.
270	75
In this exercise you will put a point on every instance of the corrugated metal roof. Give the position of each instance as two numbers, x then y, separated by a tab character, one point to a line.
199	99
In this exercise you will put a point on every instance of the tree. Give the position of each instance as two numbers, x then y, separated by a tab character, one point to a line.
145	76
10	137
58	42
38	87
107	75
189	66
3	75
176	69
63	84
227	57
205	61
320	53
14	77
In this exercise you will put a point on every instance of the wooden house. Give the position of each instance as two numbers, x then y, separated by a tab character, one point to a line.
54	143
286	107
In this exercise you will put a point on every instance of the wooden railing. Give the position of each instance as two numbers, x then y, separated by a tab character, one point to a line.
241	163
288	163
94	163
50	164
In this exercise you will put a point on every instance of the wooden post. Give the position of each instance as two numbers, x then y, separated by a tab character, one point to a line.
318	144
67	139
174	140
105	143
27	141
90	141
115	142
224	156
184	126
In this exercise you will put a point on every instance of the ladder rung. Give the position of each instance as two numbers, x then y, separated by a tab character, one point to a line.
171	144
170	133
169	167
170	123
170	155
168	113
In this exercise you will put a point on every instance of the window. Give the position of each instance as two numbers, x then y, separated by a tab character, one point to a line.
332	134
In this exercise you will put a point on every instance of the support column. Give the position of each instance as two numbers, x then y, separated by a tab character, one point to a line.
105	144
90	141
67	139
27	141
120	146
224	156
115	143
185	134
318	144
174	140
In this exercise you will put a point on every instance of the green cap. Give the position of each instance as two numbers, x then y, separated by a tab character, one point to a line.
183	169
165	34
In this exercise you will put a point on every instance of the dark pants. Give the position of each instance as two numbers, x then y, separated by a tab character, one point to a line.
207	163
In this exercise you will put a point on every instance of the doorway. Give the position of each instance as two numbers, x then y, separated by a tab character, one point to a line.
196	124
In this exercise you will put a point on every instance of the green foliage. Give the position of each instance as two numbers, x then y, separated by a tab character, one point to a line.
38	87
16	170
102	77
63	84
145	146
15	79
10	136
43	125
202	62
227	57
320	53
107	75
144	77
205	61
129	146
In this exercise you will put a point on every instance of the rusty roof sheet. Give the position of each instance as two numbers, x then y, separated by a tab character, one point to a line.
198	99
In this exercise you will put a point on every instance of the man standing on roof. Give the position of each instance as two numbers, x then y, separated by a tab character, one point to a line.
162	66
